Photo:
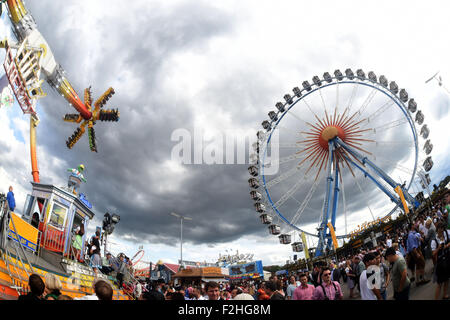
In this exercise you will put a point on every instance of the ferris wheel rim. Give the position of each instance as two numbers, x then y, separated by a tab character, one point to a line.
335	81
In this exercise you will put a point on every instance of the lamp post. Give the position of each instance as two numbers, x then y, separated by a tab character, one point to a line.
181	233
109	221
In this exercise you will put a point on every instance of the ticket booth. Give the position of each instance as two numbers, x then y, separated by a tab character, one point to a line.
57	213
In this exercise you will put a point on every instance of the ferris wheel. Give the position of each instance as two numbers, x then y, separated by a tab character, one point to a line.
341	150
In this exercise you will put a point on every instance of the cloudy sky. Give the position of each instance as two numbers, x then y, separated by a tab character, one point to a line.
215	66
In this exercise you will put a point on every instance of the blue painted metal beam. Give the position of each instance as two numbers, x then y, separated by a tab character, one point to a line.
327	200
379	171
379	185
335	205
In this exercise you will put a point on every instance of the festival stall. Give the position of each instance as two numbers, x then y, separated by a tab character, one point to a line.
198	275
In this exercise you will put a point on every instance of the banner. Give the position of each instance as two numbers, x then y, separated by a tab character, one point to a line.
333	235
27	234
402	198
251	270
305	246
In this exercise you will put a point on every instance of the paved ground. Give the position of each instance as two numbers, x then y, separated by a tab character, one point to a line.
423	292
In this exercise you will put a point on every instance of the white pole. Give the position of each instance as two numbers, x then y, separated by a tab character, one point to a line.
181	243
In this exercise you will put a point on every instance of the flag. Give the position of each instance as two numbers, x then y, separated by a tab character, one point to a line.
402	198
305	247
333	235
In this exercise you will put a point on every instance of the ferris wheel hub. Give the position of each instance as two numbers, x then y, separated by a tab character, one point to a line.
329	133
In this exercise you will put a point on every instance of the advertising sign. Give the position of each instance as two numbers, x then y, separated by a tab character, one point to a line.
197	263
248	270
26	233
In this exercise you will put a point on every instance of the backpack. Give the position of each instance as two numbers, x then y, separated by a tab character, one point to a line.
325	294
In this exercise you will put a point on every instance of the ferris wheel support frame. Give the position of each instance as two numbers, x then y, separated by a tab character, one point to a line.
378	171
332	145
326	208
335	204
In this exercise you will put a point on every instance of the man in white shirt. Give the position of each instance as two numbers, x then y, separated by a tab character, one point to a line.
367	293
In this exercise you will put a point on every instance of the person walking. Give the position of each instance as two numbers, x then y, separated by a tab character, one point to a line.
122	269
327	290
304	291
431	235
351	278
399	275
291	288
359	268
384	275
271	289
415	259
366	292
96	260
441	258
335	273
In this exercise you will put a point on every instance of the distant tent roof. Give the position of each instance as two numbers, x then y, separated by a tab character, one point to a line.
174	267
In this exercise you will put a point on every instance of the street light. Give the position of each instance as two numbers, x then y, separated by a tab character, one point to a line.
181	233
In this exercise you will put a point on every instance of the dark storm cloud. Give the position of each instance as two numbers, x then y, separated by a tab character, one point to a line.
126	175
122	170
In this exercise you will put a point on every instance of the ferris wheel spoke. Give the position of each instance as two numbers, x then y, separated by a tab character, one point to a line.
324	106
282	177
288	158
352	97
337	99
305	202
396	165
288	194
344	206
391	125
380	110
360	188
291	112
367	102
385	144
315	115
288	145
296	133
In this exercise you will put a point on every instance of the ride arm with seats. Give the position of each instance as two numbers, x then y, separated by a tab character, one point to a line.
24	27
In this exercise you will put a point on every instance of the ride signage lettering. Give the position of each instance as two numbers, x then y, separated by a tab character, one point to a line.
83	199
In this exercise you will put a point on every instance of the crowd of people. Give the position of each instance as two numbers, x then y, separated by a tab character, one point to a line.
50	289
408	247
120	267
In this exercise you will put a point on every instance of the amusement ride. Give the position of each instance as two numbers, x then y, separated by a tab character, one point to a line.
28	59
43	238
347	142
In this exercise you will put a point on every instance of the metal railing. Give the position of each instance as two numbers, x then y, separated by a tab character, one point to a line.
53	238
20	255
